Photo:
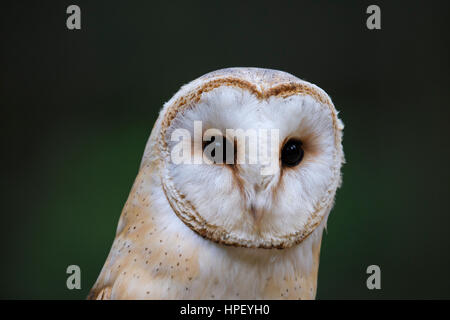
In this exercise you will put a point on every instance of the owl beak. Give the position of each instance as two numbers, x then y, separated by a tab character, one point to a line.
256	213
257	189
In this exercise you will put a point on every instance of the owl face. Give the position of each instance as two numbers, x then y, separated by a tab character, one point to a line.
270	156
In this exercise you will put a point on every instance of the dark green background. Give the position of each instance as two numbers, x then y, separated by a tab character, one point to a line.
78	107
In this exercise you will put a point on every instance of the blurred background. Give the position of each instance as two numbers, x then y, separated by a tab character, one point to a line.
77	108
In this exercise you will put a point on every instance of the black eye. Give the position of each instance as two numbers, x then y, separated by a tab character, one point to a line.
219	150
292	153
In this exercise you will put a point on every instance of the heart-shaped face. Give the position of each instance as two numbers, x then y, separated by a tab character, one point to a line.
250	157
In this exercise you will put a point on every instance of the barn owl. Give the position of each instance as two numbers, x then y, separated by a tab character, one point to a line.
227	229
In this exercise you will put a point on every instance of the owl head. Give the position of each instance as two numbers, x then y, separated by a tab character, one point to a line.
249	157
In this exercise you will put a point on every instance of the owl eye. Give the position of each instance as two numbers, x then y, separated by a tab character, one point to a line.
219	150
292	153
